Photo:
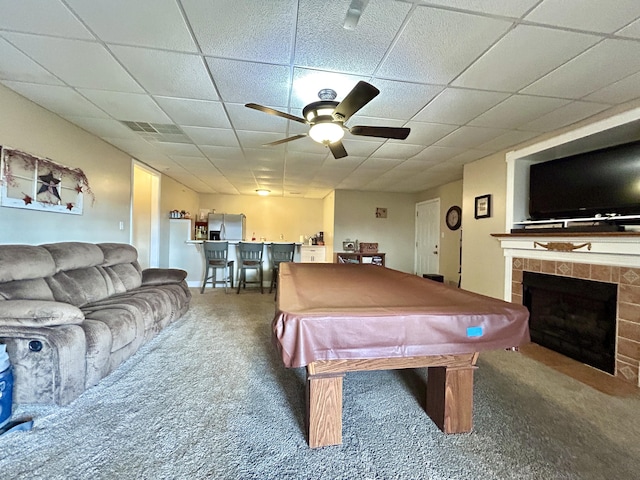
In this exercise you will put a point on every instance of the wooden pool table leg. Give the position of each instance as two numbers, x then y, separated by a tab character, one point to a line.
324	409
450	398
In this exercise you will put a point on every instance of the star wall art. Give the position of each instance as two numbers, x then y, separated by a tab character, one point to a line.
37	183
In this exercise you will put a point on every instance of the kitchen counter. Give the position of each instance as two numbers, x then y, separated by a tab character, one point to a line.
187	254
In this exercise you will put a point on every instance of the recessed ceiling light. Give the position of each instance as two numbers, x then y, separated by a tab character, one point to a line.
263	191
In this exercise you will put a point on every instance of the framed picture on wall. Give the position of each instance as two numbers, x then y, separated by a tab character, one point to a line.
483	206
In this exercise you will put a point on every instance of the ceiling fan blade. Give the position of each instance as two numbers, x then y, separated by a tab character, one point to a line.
382	132
337	149
357	98
278	113
285	140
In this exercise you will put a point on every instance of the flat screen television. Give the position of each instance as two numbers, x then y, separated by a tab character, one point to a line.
605	181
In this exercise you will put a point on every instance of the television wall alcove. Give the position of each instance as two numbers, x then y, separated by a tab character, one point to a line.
607	256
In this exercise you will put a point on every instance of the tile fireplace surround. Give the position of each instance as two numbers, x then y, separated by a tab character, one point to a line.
612	258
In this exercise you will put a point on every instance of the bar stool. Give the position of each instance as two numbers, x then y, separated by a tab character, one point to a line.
280	252
249	256
215	257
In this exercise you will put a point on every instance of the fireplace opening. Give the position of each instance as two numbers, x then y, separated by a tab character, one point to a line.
574	317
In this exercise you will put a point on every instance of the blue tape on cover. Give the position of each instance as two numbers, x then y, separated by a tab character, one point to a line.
474	331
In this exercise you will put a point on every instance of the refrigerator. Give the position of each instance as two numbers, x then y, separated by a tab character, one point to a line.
226	226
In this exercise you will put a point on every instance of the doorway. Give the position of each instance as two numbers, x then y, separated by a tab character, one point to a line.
427	255
145	219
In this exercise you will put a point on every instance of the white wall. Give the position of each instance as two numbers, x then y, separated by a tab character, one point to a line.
271	217
449	195
28	127
355	218
482	258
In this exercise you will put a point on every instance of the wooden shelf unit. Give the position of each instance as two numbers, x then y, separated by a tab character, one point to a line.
357	257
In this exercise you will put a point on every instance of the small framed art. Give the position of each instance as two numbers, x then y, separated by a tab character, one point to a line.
483	206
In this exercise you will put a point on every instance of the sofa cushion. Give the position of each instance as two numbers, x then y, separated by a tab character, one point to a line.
81	286
24	262
34	289
125	322
74	255
162	276
125	276
36	313
115	253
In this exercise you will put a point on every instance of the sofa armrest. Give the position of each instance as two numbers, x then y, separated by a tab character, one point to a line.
162	276
38	313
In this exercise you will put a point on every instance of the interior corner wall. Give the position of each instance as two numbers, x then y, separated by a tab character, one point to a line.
355	219
174	196
328	223
482	257
449	195
28	127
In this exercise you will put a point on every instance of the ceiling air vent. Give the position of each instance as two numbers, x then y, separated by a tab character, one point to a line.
158	132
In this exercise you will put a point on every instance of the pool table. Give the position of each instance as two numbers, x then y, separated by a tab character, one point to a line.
337	318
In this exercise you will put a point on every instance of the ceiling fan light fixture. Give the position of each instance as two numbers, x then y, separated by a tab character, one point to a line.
326	132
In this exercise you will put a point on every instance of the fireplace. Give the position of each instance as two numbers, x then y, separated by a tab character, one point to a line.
573	316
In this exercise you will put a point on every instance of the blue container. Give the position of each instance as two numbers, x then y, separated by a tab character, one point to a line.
6	386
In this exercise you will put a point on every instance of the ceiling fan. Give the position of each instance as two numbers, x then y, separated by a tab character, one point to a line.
326	118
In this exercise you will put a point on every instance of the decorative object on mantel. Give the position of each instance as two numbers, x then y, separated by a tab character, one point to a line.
562	246
36	183
483	206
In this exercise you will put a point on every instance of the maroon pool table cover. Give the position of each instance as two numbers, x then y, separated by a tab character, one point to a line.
331	311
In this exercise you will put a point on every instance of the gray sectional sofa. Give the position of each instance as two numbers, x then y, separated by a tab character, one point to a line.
72	312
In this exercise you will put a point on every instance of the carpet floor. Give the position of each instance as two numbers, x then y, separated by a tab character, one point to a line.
209	398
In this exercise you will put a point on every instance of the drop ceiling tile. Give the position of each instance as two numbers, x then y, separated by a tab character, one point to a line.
424	53
565	115
32	16
134	107
257	140
436	154
17	66
211	136
359	148
329	46
61	100
302	161
178	149
512	8
398	150
148	23
183	75
606	55
631	30
308	82
242	29
306	146
469	137
618	92
243	118
103	127
219	153
248	82
79	63
398	100
427	133
194	113
457	106
506	140
589	15
522	56
516	111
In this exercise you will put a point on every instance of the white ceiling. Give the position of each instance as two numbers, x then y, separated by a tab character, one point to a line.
469	77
